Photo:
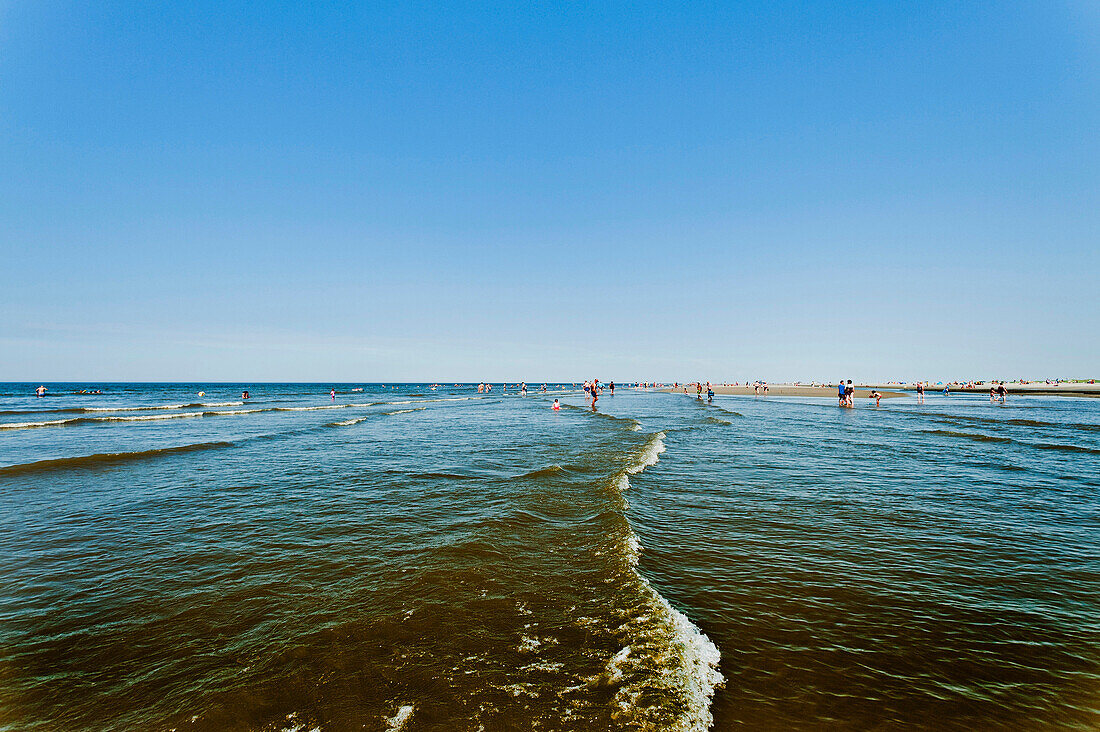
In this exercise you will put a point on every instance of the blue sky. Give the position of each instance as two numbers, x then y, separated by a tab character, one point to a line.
422	191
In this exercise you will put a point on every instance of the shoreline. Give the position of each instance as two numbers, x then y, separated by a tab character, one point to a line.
794	390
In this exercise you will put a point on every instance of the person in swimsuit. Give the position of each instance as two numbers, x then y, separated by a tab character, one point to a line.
920	392
876	396
40	391
840	392
849	394
333	395
556	405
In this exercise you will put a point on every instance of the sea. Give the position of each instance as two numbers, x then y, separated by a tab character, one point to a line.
425	557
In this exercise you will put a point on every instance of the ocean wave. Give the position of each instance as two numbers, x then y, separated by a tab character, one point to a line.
149	418
969	436
665	649
541	472
73	421
104	459
1063	448
46	423
193	405
649	454
406	411
311	409
348	422
716	420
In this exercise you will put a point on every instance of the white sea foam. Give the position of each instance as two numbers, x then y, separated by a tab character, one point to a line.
149	418
615	665
686	659
400	718
162	406
312	409
349	422
31	425
406	411
235	411
649	454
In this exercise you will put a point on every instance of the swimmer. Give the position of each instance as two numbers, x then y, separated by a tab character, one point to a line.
556	406
40	391
202	393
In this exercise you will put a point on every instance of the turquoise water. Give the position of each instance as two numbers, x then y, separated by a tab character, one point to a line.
408	558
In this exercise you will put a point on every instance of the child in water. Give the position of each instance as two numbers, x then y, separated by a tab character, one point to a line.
556	405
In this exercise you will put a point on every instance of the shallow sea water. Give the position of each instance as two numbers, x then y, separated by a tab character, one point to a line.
417	559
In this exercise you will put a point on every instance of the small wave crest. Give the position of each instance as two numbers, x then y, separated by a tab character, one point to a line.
649	454
405	411
968	436
541	472
105	459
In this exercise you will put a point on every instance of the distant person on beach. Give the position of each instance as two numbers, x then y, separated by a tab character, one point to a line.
840	392
556	406
595	393
611	386
876	396
333	395
40	391
946	389
698	390
523	389
849	394
1002	391
920	392
710	393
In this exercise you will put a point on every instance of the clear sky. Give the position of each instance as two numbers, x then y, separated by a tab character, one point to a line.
447	191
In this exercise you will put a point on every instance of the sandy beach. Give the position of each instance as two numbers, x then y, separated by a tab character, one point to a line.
794	390
1037	389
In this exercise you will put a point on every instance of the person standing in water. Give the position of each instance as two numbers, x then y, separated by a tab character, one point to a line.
611	386
920	392
556	406
595	392
333	392
840	392
523	389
